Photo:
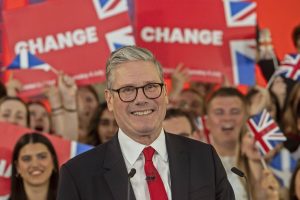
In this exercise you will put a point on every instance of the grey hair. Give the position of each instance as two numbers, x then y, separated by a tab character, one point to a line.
127	54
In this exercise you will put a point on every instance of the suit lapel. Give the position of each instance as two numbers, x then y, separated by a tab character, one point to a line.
116	175
179	168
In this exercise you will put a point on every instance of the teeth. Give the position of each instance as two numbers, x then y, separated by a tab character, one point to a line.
36	172
146	112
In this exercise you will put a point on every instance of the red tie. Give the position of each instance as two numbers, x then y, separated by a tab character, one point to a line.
155	185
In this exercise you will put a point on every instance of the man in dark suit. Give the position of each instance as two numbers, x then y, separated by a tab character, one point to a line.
142	161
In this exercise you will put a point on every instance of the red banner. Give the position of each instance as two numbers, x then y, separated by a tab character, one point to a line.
211	37
75	36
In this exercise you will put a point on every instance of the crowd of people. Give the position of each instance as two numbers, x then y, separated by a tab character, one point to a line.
77	113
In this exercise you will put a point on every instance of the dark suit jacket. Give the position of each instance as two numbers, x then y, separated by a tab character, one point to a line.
195	169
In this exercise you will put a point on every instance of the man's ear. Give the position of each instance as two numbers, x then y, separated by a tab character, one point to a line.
109	99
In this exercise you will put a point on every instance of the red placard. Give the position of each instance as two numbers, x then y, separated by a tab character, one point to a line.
211	37
75	36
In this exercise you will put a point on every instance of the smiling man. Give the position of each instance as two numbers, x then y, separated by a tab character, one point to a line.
142	161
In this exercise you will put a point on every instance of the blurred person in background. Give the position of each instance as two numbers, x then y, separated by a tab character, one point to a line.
291	122
39	117
294	192
191	101
103	126
226	119
14	110
63	103
88	102
296	38
3	92
34	169
179	122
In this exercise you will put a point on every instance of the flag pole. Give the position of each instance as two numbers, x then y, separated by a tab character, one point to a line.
54	70
263	162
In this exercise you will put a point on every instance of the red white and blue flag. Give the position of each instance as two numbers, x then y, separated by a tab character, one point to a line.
265	131
108	8
242	13
290	67
283	166
26	60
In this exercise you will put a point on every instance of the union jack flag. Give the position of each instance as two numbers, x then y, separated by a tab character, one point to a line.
243	61
265	131
240	13
109	8
119	38
26	60
290	67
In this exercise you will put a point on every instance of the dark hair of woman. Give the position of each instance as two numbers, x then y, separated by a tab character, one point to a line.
17	185
93	136
292	191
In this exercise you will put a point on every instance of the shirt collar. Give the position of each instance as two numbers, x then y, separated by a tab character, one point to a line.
131	149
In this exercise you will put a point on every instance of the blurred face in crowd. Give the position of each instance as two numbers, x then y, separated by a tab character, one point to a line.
141	119
225	119
13	111
279	86
87	104
39	118
191	102
179	126
35	164
107	126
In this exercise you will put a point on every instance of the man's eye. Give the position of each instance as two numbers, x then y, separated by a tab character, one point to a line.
127	89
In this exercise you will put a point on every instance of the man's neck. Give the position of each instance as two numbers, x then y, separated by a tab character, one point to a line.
227	150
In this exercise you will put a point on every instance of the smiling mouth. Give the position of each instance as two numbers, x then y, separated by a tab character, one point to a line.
36	172
141	113
227	128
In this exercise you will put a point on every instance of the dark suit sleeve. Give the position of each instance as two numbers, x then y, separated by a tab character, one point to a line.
224	190
67	188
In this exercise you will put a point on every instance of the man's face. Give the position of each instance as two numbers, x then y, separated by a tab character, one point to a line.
179	126
225	119
191	102
143	116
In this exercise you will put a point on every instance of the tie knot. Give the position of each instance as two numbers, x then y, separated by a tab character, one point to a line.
148	153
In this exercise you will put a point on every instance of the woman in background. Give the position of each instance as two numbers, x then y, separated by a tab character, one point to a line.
34	169
102	127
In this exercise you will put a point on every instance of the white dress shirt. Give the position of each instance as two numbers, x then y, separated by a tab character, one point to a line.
134	158
235	181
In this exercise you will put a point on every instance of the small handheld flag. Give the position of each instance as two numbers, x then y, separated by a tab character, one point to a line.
265	131
290	67
26	60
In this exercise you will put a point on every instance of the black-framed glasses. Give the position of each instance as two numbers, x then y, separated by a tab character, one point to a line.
129	93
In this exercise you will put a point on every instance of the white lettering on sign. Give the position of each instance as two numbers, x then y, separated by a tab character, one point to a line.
182	35
69	39
5	171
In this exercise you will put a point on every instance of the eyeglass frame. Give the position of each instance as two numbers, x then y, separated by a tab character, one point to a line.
137	90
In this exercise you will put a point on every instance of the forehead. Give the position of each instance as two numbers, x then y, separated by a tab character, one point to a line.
107	114
36	107
135	73
12	105
189	96
33	148
226	102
